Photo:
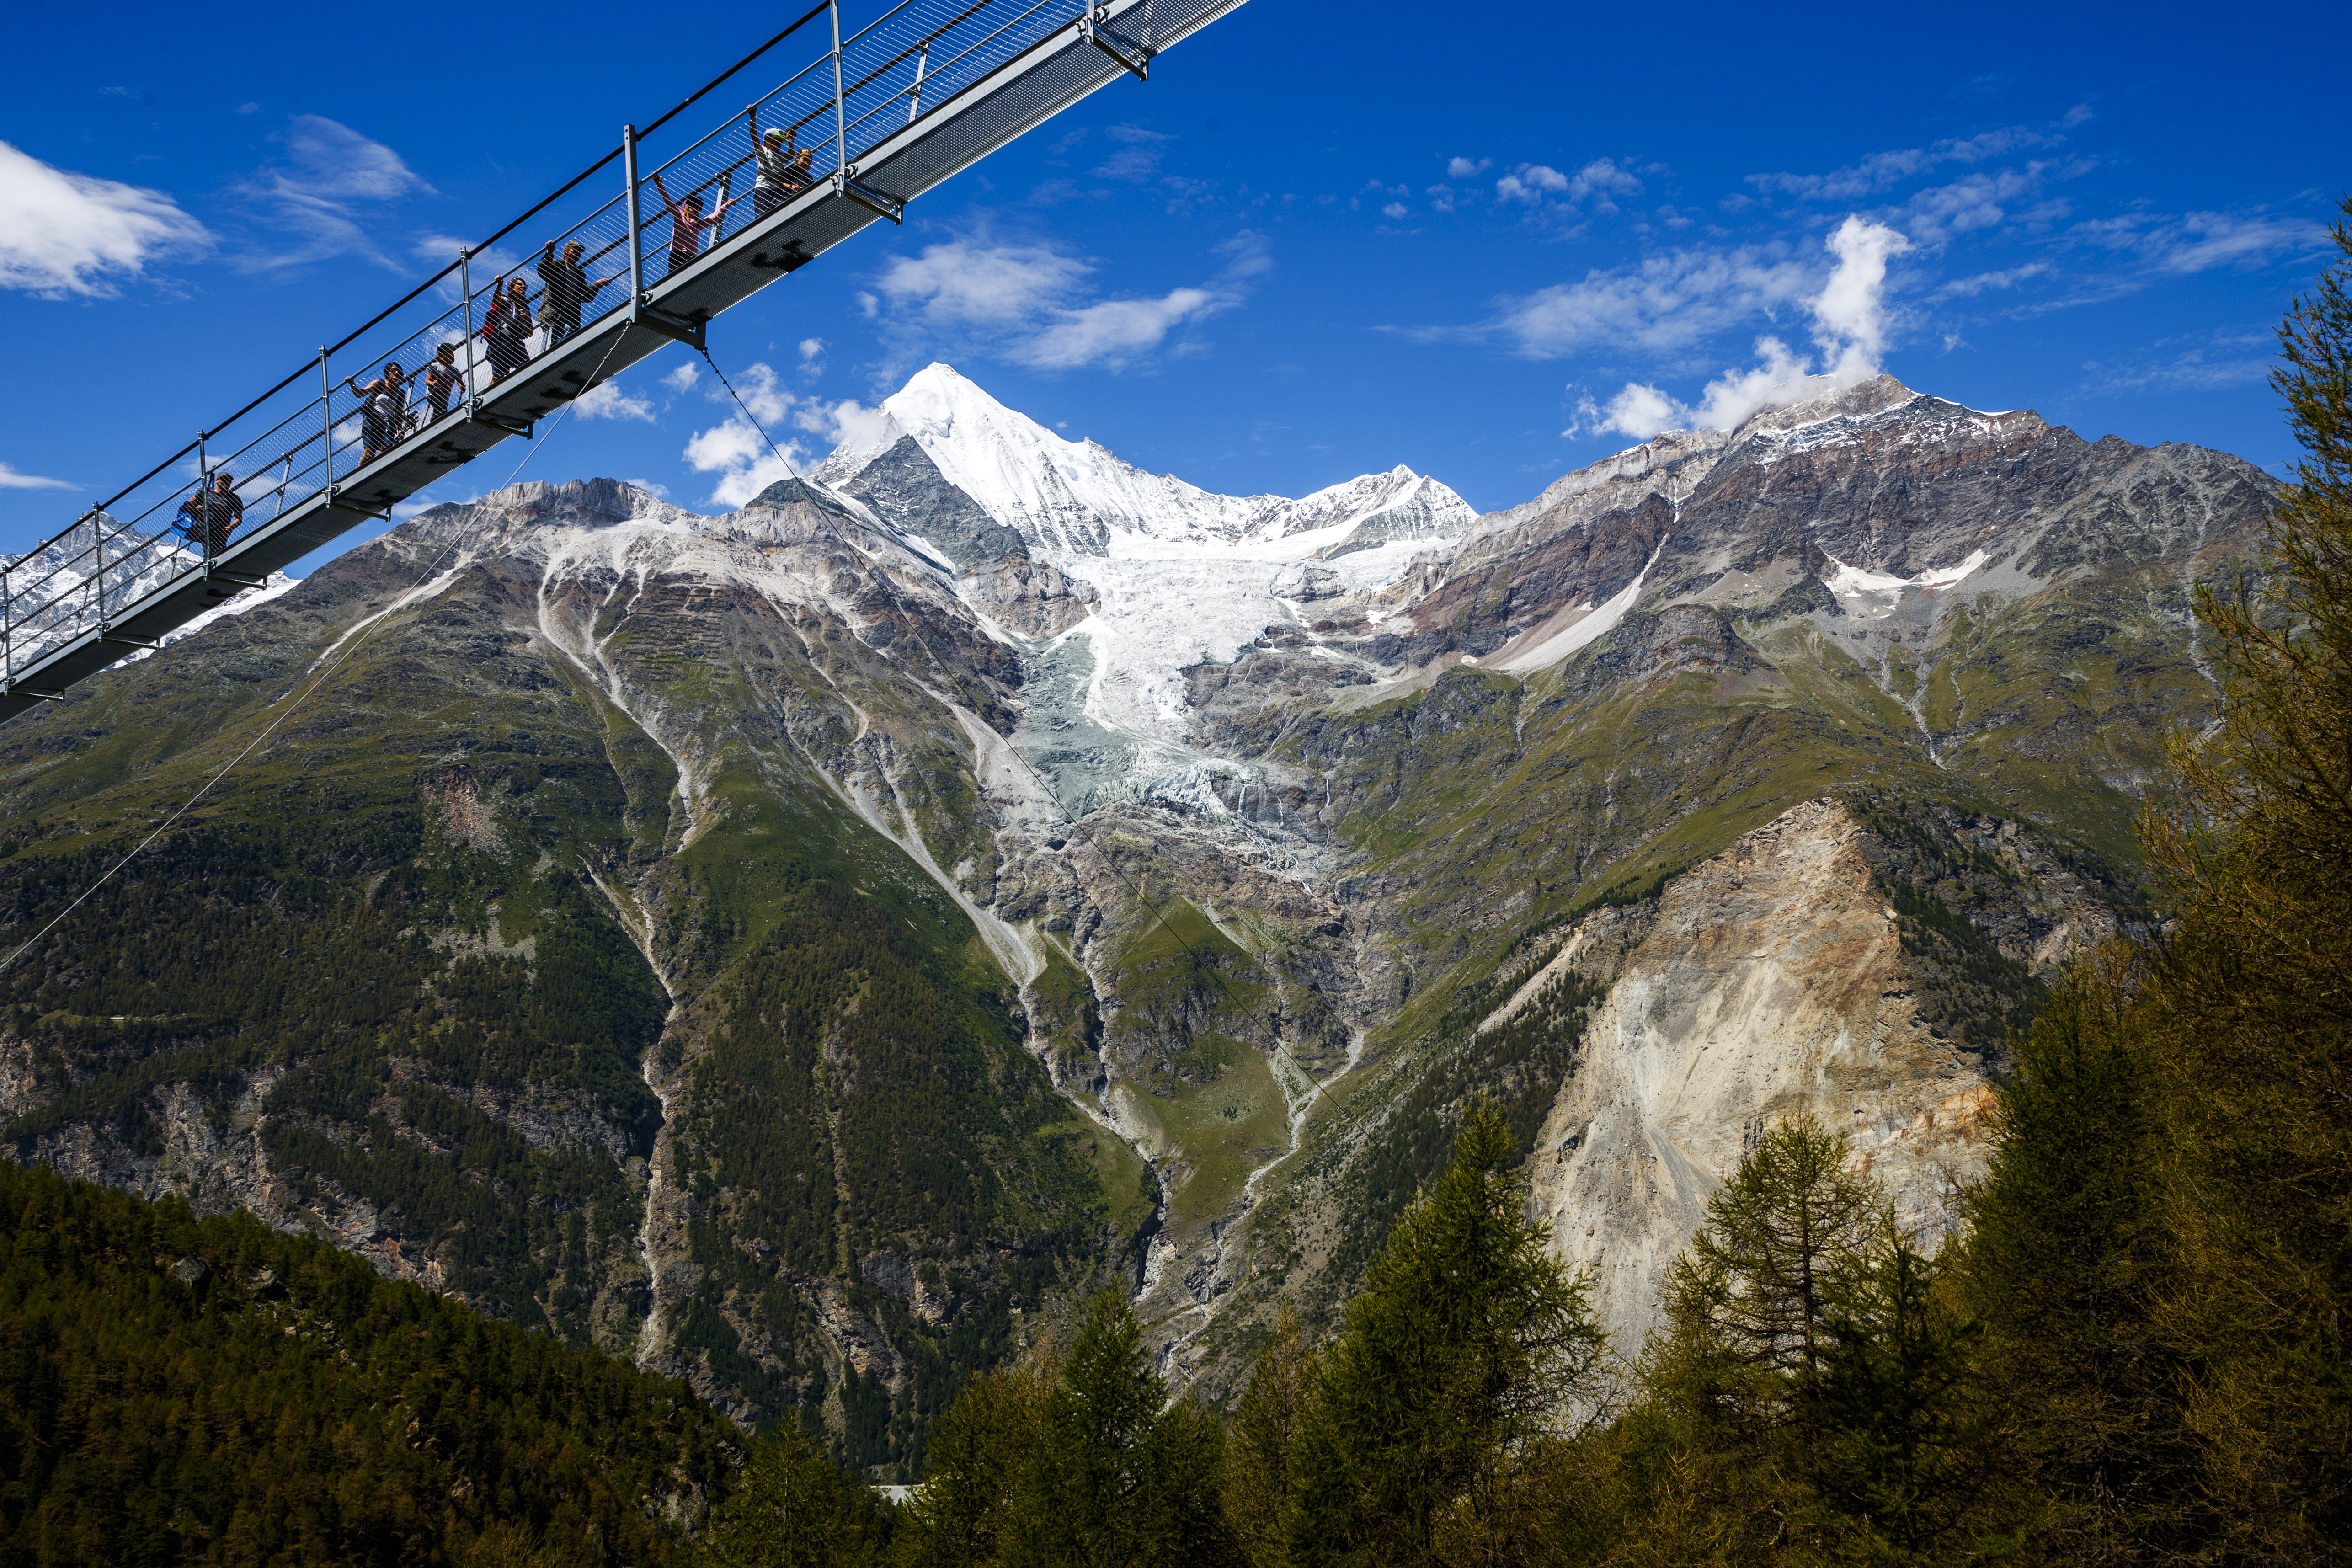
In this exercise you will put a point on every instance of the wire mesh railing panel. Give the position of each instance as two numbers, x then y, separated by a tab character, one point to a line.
497	309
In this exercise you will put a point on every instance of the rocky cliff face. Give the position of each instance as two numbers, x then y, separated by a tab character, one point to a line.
1768	981
795	947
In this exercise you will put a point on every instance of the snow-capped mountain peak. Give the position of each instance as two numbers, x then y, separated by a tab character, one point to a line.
1071	498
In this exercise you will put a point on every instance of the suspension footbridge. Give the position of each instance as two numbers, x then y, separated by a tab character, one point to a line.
624	261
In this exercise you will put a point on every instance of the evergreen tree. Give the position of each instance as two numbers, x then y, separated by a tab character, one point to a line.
1903	1459
978	1452
1468	1342
1750	1301
2250	1007
2067	1260
793	1508
1116	1475
1257	1448
1812	1394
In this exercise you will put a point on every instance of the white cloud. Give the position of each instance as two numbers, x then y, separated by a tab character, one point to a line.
1026	302
2222	360
1883	171
740	452
1850	326
1115	331
609	402
2199	242
966	283
321	192
1597	182
10	480
847	422
742	459
683	377
63	233
811	349
760	393
1666	303
1530	183
1463	169
1985	282
1395	211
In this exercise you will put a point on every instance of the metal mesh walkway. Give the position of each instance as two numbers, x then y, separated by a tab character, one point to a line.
609	269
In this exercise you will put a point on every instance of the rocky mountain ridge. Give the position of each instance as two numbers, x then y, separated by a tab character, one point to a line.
795	947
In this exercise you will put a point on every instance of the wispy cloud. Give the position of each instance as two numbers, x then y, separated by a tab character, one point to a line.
1027	303
2203	241
1138	155
10	480
325	197
1850	326
1661	305
2215	362
1979	283
63	233
1882	172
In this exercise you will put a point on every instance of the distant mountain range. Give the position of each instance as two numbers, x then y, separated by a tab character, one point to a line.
794	946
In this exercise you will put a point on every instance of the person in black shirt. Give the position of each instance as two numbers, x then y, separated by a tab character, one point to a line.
442	379
212	512
508	328
568	290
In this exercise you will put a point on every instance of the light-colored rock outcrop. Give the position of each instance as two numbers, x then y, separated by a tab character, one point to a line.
1769	982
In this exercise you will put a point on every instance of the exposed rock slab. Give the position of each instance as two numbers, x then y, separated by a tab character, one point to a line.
1770	983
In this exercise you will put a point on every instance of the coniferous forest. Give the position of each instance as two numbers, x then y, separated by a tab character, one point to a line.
2133	1350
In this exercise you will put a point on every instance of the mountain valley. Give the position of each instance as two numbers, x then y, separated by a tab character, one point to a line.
796	949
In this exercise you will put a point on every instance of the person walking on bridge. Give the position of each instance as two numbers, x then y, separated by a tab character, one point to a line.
567	291
211	512
509	329
686	225
442	379
384	411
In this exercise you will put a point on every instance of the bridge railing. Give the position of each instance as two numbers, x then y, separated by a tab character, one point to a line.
329	418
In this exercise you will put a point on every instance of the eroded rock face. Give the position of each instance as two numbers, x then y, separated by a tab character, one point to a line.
1770	981
1030	597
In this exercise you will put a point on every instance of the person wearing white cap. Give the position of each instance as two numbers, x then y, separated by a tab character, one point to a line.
777	159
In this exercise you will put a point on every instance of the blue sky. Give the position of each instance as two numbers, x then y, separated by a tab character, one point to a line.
1492	244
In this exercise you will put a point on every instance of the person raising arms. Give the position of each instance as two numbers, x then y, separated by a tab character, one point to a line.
686	223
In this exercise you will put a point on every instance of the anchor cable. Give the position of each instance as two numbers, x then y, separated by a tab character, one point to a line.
319	679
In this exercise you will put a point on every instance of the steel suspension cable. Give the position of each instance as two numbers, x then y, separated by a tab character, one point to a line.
326	667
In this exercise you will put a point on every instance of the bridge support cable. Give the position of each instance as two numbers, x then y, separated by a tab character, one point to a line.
319	673
882	115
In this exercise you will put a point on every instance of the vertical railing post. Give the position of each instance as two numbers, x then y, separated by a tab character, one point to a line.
97	568
327	419
915	99
201	515
636	248
840	110
466	287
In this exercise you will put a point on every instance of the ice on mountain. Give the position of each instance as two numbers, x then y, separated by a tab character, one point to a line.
1866	595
